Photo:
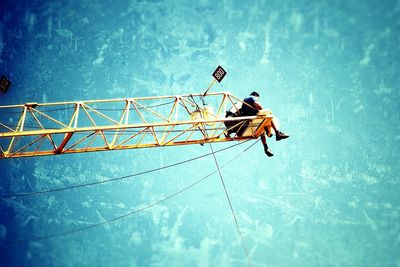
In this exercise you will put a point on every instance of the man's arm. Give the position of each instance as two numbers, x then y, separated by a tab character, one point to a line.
257	106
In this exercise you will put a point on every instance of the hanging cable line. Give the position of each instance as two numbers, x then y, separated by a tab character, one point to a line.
47	110
246	252
103	109
116	178
126	132
150	106
37	238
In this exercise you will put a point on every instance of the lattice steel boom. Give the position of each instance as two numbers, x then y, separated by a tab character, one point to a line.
34	129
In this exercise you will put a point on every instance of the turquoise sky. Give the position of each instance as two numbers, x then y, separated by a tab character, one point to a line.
327	69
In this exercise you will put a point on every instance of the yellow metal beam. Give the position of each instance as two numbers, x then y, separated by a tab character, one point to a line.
152	122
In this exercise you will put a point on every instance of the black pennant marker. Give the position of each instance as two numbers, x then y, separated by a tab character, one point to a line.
219	74
4	84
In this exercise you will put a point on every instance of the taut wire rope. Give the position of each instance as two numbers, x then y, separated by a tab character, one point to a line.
246	251
59	234
25	194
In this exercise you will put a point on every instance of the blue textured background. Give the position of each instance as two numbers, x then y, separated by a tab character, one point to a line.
328	70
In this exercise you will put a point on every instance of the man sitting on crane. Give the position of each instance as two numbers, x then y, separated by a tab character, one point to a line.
250	107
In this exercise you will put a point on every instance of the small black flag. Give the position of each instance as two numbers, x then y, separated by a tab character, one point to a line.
4	84
219	74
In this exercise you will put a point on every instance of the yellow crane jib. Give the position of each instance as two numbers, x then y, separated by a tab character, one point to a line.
38	129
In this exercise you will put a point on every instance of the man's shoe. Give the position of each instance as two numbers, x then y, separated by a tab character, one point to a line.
280	136
268	152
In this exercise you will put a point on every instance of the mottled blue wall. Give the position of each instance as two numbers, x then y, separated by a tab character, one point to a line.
328	70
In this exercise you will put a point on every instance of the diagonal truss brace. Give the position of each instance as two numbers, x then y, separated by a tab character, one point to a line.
115	124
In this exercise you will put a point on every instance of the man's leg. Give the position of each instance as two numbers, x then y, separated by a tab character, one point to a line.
266	150
279	134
